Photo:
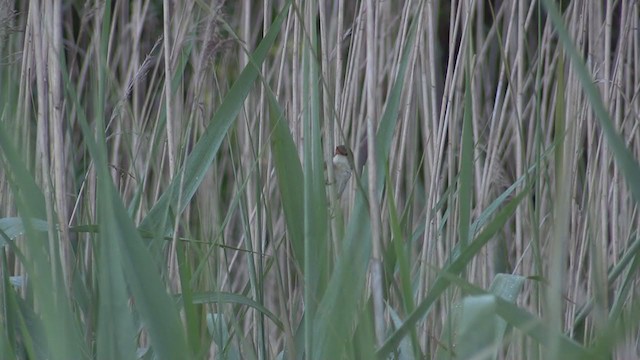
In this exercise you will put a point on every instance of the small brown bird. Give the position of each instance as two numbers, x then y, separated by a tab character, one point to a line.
341	168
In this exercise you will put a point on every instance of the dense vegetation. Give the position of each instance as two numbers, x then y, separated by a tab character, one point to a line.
164	189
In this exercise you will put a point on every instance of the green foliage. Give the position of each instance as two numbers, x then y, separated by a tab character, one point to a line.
241	253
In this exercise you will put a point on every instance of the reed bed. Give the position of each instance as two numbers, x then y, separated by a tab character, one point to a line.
167	189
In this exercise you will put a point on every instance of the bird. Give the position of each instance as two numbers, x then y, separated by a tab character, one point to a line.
341	168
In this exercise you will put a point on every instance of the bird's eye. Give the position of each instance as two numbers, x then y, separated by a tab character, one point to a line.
341	149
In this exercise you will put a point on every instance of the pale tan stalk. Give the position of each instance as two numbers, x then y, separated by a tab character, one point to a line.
430	142
54	27
43	117
519	102
374	206
168	91
397	158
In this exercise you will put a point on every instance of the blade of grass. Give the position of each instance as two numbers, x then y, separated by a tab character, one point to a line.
115	333
316	244
124	245
622	154
219	297
402	258
13	227
191	316
289	175
475	326
337	310
456	263
61	329
205	150
12	326
526	322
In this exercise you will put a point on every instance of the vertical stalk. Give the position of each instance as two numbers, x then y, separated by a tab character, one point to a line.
374	206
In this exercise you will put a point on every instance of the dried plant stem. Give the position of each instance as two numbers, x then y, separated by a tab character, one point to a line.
374	206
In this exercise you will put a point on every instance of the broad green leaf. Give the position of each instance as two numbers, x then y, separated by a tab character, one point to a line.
122	246
61	331
525	321
219	297
405	350
475	328
116	333
13	227
401	250
316	241
217	326
289	174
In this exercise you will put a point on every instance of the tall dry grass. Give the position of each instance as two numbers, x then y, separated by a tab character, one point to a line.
164	191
